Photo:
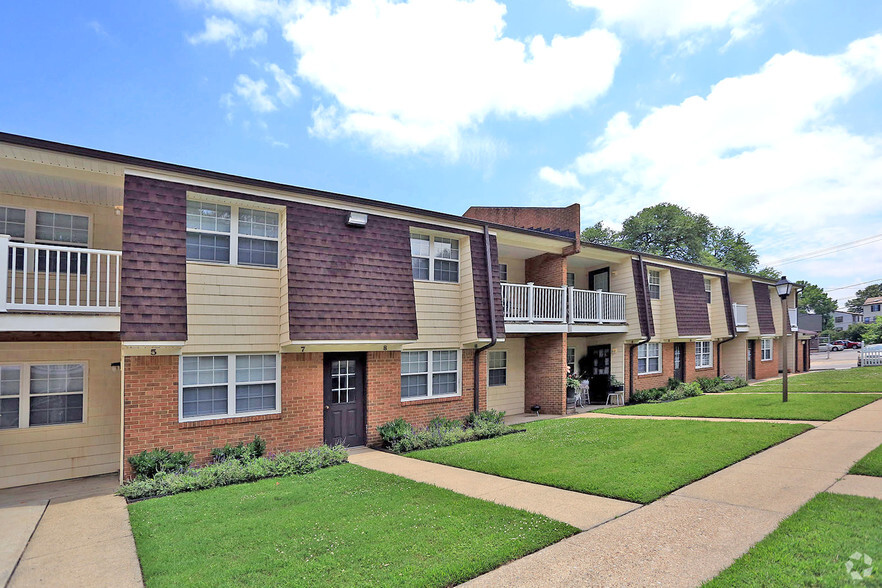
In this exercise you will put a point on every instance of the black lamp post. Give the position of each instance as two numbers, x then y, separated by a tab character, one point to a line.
784	288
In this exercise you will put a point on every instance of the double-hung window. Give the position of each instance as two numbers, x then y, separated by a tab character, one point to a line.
427	374
33	395
766	349
649	358
707	289
434	258
503	272
46	228
497	365
571	279
220	386
654	279
232	234
704	357
571	360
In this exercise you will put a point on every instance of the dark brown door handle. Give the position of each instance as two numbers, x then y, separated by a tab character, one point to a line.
327	407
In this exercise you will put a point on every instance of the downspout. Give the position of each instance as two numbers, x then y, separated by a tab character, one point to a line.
492	300
648	310
732	334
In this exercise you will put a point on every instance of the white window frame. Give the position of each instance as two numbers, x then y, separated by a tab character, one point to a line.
231	388
30	234
504	367
707	289
429	373
704	359
571	365
647	357
653	278
235	206
571	279
763	349
503	272
24	394
431	257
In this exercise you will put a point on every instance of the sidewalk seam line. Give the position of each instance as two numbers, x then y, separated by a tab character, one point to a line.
28	542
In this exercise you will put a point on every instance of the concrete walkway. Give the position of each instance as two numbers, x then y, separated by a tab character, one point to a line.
691	535
583	511
868	486
71	533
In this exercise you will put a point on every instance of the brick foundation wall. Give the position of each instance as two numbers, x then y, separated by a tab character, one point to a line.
547	269
384	393
545	360
151	411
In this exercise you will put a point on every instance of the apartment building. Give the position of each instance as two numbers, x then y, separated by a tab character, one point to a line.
872	309
842	319
150	305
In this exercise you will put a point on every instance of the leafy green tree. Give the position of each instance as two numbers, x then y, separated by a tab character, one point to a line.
873	334
729	250
856	304
813	299
602	235
855	332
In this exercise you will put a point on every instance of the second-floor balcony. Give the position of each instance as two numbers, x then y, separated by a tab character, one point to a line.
40	282
739	311
532	308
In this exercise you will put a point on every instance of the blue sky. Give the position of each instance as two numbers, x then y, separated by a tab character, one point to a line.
762	114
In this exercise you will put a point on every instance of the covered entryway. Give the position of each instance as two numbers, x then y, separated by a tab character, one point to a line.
344	399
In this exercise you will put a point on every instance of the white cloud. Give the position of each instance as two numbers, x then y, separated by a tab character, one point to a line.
652	19
760	152
421	76
288	91
225	30
254	94
256	10
561	179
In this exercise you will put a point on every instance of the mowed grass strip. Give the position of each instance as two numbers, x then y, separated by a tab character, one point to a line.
802	407
343	526
812	546
870	465
629	459
865	379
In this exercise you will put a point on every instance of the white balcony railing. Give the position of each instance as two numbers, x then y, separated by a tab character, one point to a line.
544	304
531	303
58	279
740	313
589	306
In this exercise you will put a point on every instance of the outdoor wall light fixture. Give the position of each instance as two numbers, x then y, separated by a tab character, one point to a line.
356	219
115	366
784	288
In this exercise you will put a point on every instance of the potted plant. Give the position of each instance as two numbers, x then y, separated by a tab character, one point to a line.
615	385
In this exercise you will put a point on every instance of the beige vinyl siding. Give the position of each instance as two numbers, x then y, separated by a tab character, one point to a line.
59	452
742	293
284	316
509	398
438	309
516	269
232	308
717	310
621	280
663	311
733	358
468	320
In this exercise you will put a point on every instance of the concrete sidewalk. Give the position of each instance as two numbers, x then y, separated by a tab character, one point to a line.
71	533
867	486
690	536
583	511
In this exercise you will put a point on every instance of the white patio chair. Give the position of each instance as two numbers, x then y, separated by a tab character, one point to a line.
583	392
618	398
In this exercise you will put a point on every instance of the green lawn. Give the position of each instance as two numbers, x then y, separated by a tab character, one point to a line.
631	459
342	526
806	407
867	379
811	547
870	465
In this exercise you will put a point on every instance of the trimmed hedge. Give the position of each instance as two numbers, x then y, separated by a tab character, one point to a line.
234	471
711	385
400	436
678	392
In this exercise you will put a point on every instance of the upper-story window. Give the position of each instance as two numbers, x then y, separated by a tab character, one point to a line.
875	307
232	234
838	319
27	225
434	258
571	279
503	272
654	278
707	289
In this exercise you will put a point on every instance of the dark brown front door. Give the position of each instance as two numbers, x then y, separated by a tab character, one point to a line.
599	358
751	359
344	399
680	361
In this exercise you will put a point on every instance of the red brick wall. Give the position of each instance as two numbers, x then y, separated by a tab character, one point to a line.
384	393
545	362
530	217
547	269
772	368
151	411
658	380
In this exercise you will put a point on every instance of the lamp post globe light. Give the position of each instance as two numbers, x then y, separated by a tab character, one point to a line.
784	288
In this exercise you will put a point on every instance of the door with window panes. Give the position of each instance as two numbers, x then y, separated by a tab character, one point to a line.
344	399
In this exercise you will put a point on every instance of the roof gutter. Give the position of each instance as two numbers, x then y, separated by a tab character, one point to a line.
492	300
730	321
646	336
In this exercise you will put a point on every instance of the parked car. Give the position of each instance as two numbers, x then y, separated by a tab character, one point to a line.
838	345
834	346
853	344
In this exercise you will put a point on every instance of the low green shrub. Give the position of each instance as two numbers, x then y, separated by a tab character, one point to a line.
401	437
241	452
648	395
148	463
653	395
234	471
713	385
